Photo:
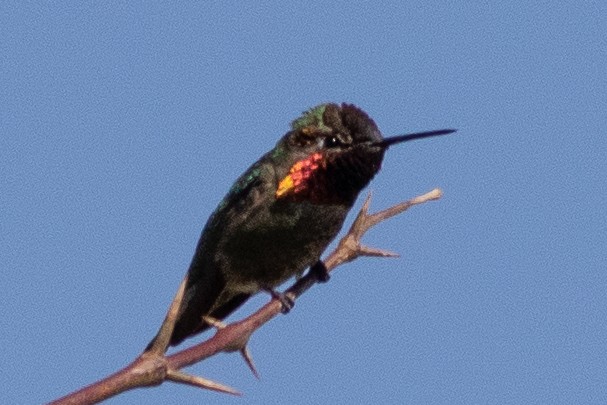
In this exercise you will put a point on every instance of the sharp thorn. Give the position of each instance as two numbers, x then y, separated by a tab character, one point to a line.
374	252
214	322
246	355
200	382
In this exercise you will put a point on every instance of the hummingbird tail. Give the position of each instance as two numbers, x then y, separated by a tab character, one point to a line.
184	330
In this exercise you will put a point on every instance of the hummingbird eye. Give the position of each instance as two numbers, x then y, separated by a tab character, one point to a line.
332	141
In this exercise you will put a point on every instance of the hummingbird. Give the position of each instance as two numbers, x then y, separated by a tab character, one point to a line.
282	212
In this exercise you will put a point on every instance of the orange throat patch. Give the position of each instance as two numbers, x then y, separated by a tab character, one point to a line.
296	181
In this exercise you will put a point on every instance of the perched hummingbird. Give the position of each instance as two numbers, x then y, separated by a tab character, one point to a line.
281	214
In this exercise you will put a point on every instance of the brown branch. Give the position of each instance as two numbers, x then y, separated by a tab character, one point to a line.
153	367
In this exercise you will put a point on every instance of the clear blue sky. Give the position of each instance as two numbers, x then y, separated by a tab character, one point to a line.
123	125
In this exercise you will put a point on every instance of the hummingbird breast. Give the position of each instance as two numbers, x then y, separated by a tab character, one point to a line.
277	242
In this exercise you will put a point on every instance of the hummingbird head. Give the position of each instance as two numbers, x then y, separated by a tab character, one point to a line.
334	151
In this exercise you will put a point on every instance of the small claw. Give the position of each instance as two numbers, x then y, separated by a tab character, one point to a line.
246	355
286	300
188	379
320	271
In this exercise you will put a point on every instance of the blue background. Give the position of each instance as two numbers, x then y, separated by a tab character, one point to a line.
123	124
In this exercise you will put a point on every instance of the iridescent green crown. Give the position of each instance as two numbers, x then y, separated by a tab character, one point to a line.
312	117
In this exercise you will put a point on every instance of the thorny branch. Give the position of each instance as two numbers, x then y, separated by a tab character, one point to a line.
153	367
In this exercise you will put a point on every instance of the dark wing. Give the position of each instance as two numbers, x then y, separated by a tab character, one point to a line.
205	279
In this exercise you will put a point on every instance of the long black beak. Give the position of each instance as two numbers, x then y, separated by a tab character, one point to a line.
387	142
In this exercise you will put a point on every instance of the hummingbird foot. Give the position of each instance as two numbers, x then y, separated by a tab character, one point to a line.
286	300
320	271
